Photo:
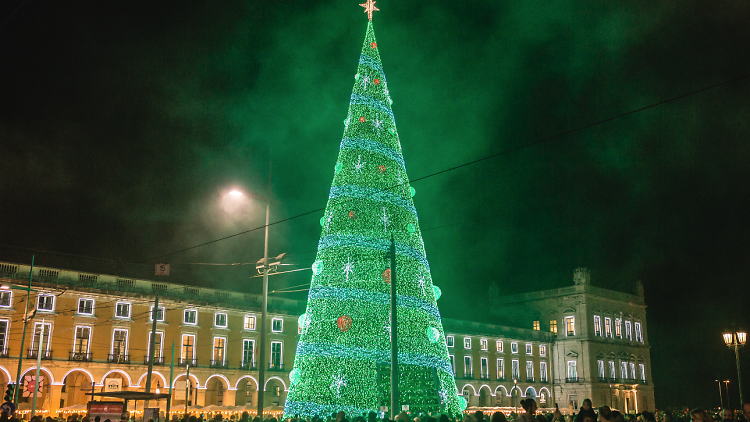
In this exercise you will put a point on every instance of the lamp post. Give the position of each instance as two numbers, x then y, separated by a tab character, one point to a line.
735	339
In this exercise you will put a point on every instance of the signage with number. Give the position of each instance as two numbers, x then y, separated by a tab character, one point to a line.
162	269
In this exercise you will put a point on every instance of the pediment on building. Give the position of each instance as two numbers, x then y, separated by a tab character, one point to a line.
572	354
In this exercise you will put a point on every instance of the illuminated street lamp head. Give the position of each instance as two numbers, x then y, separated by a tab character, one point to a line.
728	338
741	337
5	287
235	192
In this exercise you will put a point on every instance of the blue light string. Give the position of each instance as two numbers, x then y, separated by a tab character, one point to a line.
373	64
371	102
373	146
364	192
345	240
349	294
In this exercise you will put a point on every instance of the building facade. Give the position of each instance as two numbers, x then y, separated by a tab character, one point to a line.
94	332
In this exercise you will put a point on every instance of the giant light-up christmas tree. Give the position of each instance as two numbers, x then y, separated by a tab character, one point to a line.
344	351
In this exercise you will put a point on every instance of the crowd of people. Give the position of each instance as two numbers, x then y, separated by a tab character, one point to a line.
531	413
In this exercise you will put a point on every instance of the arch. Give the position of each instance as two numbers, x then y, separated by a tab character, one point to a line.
464	388
600	355
503	387
226	381
164	382
45	370
119	371
569	311
611	355
527	390
641	359
91	377
276	378
516	387
7	374
192	376
237	385
488	389
545	389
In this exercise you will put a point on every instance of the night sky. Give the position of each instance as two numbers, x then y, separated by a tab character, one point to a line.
124	124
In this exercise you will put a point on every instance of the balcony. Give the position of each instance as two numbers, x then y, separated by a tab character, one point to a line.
158	360
484	377
468	376
188	361
573	380
275	367
501	379
529	379
118	358
33	354
218	363
4	353
544	381
248	366
80	357
643	382
629	381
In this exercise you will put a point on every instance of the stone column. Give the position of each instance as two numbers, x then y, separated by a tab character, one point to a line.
53	400
200	400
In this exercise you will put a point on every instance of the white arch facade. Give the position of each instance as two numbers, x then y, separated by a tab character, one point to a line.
45	370
118	371
226	381
85	371
7	374
505	389
163	380
237	385
488	389
464	388
275	378
192	376
532	389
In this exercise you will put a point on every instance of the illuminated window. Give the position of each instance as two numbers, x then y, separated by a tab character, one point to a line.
529	370
187	354
499	345
449	341
597	325
122	310
537	326
638	334
4	335
643	371
628	331
611	370
484	368
277	325
553	326
159	314
623	370
572	370
157	344
608	327
529	349
600	367
631	365
276	350
190	317
514	348
467	366
220	320
86	306
249	322
119	345
453	364
543	371
467	342
6	299
542	351
500	369
45	303
82	340
570	326
248	352
483	344
618	327
514	369
220	344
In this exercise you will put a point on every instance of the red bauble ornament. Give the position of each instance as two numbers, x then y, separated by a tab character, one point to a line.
352	215
344	322
381	168
362	119
376	81
373	45
387	276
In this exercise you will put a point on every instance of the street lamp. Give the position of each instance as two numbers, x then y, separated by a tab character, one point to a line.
735	339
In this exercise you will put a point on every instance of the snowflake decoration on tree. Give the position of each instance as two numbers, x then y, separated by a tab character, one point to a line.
421	283
348	268
385	220
339	381
377	123
360	164
365	80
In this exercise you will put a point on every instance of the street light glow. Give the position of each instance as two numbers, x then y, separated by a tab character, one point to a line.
235	193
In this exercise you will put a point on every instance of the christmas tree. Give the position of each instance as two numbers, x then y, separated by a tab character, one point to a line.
344	352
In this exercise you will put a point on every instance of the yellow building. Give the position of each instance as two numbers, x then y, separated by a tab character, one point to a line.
97	331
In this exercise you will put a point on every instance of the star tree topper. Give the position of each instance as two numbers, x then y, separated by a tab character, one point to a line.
369	6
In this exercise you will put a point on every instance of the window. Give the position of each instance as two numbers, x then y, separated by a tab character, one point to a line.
157	344
249	322
570	326
82	340
220	320
449	341
536	326
529	349
500	369
499	345
248	352
119	344
6	299
484	367
453	364
220	344
618	327
45	303
623	370
553	326
529	370
638	334
608	327
4	336
597	325
611	370
572	370
39	329
276	349
190	317
514	369
122	310
543	371
86	306
159	314
600	367
188	348
483	344
573	400
632	371
542	351
628	331
277	325
642	367
514	348
467	342
467	366
542	397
